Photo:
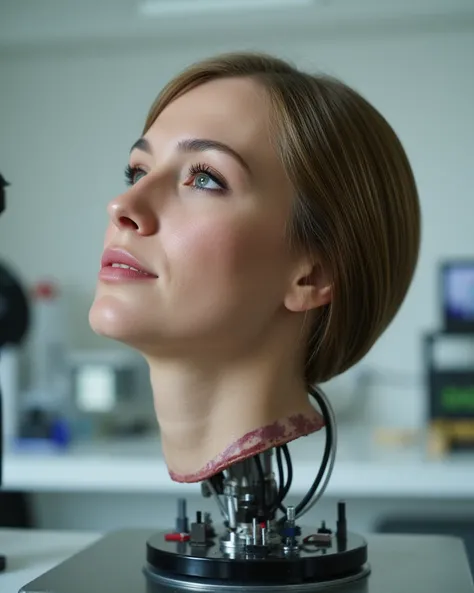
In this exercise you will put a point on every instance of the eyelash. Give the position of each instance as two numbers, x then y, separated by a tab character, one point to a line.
130	173
194	170
198	168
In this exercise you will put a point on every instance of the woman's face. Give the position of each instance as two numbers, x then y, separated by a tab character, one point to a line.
205	215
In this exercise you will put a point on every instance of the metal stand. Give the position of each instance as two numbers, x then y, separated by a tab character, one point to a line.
255	548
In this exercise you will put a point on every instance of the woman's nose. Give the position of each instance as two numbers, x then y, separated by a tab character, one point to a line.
133	212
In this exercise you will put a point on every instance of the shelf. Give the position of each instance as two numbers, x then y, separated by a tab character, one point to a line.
361	470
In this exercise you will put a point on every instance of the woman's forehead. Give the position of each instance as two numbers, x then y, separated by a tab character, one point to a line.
230	110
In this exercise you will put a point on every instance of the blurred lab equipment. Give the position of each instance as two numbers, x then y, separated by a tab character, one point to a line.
450	385
457	296
45	406
111	393
14	321
3	184
14	324
48	344
73	394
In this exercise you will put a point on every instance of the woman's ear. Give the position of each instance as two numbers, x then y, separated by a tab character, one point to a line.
310	288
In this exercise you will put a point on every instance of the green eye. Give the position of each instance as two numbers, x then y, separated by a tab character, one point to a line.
205	181
133	175
138	174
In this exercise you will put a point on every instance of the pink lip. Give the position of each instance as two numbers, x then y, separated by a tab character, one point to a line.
114	274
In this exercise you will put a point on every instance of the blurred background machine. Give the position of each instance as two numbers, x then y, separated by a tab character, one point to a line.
451	385
14	322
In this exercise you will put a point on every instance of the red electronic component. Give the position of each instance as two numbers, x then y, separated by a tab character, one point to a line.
177	537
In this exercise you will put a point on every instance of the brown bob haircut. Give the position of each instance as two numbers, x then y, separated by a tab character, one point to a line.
356	203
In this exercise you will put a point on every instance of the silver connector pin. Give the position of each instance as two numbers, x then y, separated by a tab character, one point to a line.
255	533
291	514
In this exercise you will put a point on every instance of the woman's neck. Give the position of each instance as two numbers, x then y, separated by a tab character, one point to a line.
216	414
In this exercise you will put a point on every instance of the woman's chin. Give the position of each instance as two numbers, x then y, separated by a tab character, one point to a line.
107	320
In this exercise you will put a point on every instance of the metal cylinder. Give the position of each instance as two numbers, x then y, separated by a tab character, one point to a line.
231	512
255	531
290	514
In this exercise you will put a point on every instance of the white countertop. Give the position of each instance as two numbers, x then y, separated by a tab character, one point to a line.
361	469
31	553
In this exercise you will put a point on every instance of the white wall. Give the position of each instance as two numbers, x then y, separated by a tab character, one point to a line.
69	113
105	511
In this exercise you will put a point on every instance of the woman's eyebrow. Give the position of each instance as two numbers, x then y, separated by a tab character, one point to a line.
142	144
203	144
195	145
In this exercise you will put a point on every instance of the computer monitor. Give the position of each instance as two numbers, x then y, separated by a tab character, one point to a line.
457	290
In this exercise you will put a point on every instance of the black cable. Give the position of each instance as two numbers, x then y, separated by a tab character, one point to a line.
280	494
1	437
327	451
281	478
217	482
289	479
324	463
283	485
261	477
289	469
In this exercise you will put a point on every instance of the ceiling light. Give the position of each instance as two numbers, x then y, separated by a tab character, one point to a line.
186	7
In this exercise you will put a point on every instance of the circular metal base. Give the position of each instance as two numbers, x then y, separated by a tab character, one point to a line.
186	584
209	568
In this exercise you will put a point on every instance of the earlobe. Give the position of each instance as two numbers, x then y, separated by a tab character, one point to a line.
325	295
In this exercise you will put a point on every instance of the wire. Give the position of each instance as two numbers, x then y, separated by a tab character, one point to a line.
220	504
329	456
283	486
281	477
327	451
261	479
289	469
321	480
1	437
323	402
